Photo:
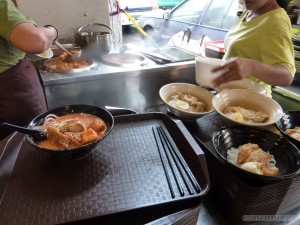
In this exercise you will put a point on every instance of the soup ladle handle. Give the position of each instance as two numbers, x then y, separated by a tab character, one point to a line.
37	135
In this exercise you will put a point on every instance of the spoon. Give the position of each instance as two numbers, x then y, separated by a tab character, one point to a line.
37	135
60	46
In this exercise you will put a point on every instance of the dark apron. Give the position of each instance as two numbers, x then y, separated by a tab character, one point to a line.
21	96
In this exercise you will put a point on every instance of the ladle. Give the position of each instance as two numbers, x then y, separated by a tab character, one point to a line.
60	46
37	135
140	29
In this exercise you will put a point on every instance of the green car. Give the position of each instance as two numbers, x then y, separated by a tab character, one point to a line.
168	4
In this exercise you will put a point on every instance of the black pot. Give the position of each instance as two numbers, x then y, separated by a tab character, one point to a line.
82	151
289	120
286	154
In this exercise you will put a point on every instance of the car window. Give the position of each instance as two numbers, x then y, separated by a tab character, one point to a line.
216	12
189	11
231	16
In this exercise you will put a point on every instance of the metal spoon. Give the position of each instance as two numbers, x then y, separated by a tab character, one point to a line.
59	45
37	135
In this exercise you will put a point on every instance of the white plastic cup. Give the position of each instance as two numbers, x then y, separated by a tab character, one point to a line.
204	65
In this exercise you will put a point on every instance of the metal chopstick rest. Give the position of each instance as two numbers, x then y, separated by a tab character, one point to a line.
171	163
182	162
163	163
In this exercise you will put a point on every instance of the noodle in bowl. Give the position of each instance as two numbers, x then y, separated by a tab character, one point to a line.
281	153
268	167
85	145
185	108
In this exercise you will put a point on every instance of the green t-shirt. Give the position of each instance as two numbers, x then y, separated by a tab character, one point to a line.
10	16
266	38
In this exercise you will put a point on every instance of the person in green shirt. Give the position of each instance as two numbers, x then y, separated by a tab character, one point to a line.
21	93
259	46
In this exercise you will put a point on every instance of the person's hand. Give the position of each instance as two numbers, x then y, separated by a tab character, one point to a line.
234	69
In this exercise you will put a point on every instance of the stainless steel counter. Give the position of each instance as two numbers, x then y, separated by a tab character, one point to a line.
136	87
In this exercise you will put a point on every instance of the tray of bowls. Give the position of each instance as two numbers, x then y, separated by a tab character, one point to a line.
123	169
252	143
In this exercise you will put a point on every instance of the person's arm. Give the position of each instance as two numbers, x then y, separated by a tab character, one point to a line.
238	68
31	39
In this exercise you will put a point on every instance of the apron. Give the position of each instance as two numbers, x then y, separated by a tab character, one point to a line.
22	96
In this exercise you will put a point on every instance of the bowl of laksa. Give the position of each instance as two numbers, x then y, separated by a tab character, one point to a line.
72	131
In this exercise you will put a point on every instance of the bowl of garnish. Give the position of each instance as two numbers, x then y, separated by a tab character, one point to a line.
257	154
247	107
289	126
186	101
73	131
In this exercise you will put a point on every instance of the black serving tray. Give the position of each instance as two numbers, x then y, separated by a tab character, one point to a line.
241	196
121	182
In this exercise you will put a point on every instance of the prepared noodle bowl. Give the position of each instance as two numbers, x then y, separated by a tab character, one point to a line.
187	102
71	130
242	114
252	158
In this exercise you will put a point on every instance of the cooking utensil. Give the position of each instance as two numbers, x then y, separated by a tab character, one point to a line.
59	45
139	28
37	135
94	40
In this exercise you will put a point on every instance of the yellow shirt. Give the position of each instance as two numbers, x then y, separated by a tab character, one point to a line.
266	38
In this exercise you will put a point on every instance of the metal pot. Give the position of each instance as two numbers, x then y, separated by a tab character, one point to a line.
93	40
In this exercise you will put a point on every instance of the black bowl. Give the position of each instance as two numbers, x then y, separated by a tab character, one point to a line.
286	154
289	120
82	151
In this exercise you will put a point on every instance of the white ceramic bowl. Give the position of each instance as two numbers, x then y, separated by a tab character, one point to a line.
204	65
202	94
44	55
250	100
242	84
